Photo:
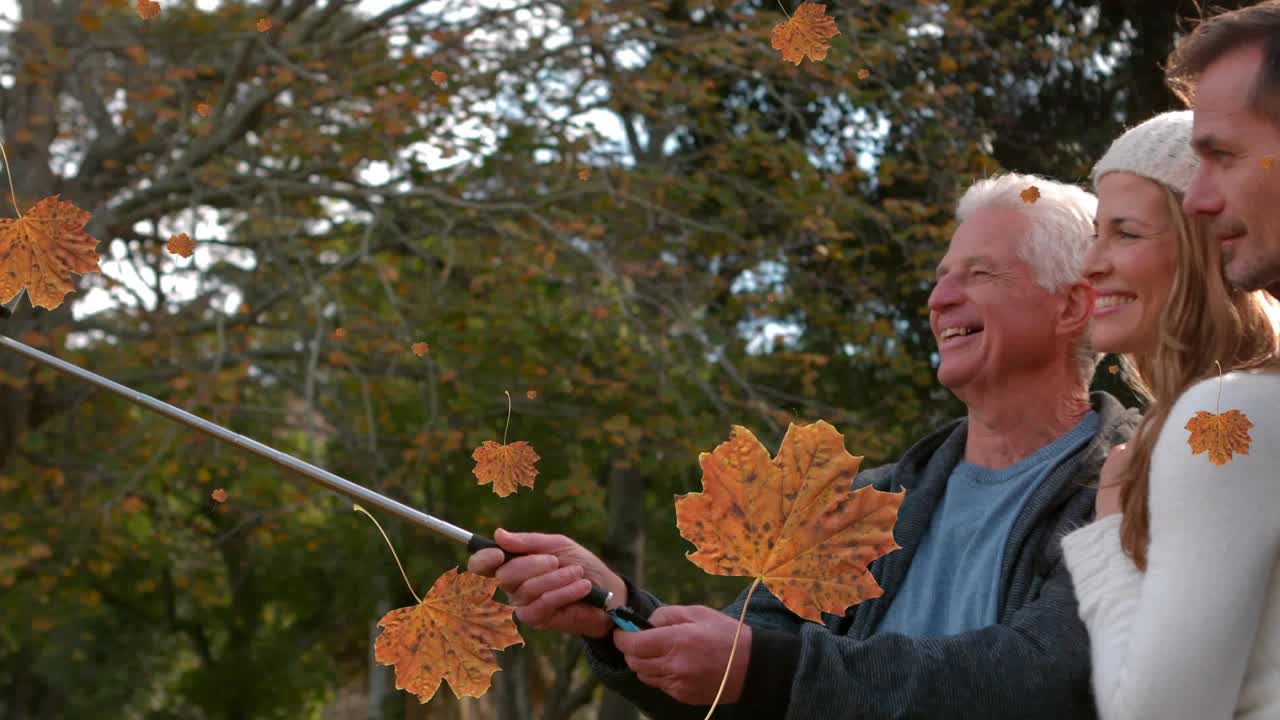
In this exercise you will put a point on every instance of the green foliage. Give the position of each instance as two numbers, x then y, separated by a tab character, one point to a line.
752	244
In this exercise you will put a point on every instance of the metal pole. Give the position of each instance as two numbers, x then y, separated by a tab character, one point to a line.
324	477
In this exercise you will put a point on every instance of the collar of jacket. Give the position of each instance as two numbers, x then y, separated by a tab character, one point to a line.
923	472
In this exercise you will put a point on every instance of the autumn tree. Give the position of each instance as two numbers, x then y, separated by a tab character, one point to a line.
633	217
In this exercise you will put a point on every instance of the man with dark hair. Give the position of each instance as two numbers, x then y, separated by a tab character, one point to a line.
1228	71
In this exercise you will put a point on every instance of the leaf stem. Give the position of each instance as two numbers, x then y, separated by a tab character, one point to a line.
742	617
1217	408
784	12
9	174
508	427
393	551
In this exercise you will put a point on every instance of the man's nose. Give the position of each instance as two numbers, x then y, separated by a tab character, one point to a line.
945	294
1202	196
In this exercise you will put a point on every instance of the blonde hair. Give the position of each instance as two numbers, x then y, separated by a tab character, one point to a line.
1205	322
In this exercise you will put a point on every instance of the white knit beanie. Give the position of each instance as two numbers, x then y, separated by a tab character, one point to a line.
1159	148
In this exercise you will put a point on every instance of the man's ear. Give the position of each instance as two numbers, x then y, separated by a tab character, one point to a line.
1077	309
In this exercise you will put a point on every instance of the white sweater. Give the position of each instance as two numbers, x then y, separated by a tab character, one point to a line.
1197	637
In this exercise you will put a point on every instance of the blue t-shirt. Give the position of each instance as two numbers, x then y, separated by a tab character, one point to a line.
953	584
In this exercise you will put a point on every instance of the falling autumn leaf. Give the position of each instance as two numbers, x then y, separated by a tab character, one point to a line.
807	32
506	466
203	109
448	636
1030	195
863	74
181	245
790	521
41	250
1219	434
264	24
1113	369
584	173
532	394
219	495
420	349
89	22
1268	162
148	9
439	77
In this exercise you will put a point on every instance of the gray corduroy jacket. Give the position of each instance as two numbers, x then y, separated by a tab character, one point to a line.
1032	664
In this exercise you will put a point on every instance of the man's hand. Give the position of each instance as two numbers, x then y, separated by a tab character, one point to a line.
546	584
1110	481
686	652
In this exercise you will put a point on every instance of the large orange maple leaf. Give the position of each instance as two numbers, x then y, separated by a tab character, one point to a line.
449	636
40	251
506	466
807	32
791	521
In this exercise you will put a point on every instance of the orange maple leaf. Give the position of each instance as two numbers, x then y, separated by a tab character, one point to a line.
420	348
439	77
264	24
584	173
148	9
790	521
807	32
40	251
506	466
1030	195
181	245
532	394
1219	434
219	495
203	109
447	636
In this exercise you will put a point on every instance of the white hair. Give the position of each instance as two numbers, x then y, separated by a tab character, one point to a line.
1061	219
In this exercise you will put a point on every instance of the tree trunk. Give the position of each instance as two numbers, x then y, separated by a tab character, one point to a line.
511	683
624	552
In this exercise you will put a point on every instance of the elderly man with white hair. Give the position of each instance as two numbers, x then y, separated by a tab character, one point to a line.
978	615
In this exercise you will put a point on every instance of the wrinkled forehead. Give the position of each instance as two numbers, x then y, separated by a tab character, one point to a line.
990	237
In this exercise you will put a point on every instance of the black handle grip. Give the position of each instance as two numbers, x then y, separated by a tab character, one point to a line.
598	597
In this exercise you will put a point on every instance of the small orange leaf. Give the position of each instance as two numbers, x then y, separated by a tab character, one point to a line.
532	394
203	109
807	32
584	173
506	466
1268	162
1113	369
89	22
264	24
131	504
421	348
148	9
219	495
1219	434
448	636
863	74
790	521
339	333
136	54
181	245
1030	195
41	250
439	77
